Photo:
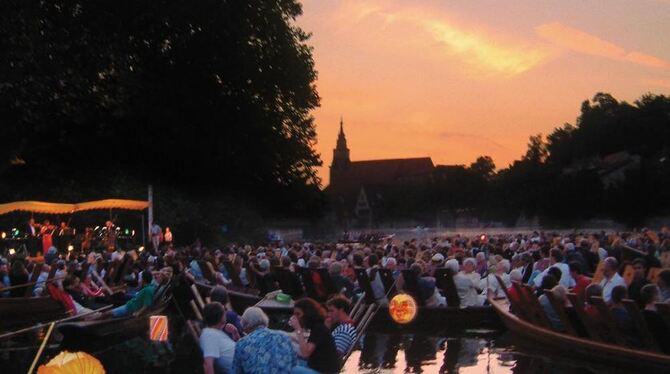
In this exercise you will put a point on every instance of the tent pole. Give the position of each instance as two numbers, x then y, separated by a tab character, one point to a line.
144	236
151	207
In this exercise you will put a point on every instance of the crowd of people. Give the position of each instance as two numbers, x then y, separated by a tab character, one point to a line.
322	332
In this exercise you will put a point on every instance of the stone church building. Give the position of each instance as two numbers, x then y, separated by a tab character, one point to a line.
357	188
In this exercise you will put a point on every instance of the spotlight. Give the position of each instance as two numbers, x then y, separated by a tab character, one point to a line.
70	248
3	235
12	251
140	249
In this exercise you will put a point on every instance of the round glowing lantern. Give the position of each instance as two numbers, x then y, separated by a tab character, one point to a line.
72	363
403	308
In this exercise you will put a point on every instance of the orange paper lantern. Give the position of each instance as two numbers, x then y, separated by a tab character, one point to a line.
403	308
158	328
72	363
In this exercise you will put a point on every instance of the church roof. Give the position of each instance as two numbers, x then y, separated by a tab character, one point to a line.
382	172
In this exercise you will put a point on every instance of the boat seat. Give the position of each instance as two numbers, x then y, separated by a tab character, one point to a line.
389	282
288	282
364	284
615	335
233	273
559	308
411	286
641	325
444	280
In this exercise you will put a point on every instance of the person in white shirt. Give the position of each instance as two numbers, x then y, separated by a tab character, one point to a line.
466	281
156	233
556	259
611	278
218	349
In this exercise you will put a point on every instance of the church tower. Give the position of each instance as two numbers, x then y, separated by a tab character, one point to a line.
340	156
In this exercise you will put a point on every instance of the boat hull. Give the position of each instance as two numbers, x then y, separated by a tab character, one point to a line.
588	351
429	319
19	312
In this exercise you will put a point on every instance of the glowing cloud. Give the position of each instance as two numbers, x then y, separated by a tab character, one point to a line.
483	51
462	41
582	42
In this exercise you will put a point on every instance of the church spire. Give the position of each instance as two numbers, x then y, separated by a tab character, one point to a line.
341	152
341	139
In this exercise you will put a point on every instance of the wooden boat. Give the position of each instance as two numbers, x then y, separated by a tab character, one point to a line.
586	350
431	319
18	312
92	336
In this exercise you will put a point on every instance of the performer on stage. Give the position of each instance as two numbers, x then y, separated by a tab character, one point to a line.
32	233
47	231
109	235
64	236
156	235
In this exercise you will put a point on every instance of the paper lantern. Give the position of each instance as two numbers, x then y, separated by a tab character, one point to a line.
72	363
403	308
158	328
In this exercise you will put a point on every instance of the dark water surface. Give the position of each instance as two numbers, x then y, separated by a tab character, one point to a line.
471	351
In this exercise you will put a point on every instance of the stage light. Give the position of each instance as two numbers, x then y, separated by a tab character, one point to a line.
70	248
12	251
140	249
3	235
127	231
133	232
403	308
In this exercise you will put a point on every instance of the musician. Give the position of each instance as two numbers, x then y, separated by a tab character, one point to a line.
32	233
64	236
109	234
47	230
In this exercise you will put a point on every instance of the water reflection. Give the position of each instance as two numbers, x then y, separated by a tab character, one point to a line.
467	354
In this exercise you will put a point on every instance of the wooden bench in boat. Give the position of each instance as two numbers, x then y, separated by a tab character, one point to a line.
444	280
288	282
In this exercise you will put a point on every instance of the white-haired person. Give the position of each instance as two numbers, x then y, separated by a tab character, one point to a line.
465	286
262	350
491	283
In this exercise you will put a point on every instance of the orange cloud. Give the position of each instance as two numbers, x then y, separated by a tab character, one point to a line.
463	42
582	42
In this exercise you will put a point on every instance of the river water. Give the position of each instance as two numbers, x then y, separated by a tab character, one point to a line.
469	351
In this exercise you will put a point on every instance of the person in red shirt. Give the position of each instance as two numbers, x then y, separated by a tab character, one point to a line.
581	281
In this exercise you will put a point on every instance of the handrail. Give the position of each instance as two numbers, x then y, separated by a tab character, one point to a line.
56	322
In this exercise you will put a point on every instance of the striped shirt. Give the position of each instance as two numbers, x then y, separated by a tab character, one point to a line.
345	337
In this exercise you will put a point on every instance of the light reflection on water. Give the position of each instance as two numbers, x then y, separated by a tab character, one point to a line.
465	354
386	353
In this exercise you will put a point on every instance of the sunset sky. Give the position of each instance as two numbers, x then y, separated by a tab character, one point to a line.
456	79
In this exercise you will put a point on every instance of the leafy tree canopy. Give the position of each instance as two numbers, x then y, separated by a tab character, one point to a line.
212	96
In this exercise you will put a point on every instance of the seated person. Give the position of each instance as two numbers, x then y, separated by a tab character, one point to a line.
622	318
464	282
319	349
233	326
560	293
218	349
342	284
277	355
142	299
650	295
341	326
428	292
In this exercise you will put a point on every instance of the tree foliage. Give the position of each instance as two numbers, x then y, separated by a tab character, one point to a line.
212	97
